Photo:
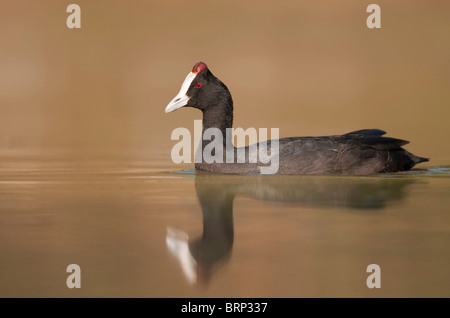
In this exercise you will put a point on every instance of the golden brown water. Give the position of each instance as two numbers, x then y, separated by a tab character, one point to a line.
86	175
250	236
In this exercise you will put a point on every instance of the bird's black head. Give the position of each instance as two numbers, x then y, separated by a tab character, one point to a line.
201	89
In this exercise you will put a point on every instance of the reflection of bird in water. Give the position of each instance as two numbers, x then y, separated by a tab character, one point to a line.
201	256
328	192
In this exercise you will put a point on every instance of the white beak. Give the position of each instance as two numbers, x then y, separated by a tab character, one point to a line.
177	102
181	99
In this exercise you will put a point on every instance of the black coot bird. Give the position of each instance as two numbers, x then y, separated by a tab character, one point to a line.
360	152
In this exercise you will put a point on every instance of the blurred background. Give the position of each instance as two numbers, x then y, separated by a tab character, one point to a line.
306	67
94	98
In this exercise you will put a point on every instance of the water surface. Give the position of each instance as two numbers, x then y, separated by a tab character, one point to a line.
141	228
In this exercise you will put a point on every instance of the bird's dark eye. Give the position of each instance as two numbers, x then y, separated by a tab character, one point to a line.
198	85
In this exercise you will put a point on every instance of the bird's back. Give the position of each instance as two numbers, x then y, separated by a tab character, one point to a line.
360	152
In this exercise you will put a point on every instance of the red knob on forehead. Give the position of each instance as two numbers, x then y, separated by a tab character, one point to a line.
200	66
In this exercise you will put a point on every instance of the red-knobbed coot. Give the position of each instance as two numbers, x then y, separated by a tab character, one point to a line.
360	152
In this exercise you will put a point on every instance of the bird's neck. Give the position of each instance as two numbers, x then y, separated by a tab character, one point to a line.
219	116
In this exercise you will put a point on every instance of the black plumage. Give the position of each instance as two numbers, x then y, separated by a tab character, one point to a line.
360	152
